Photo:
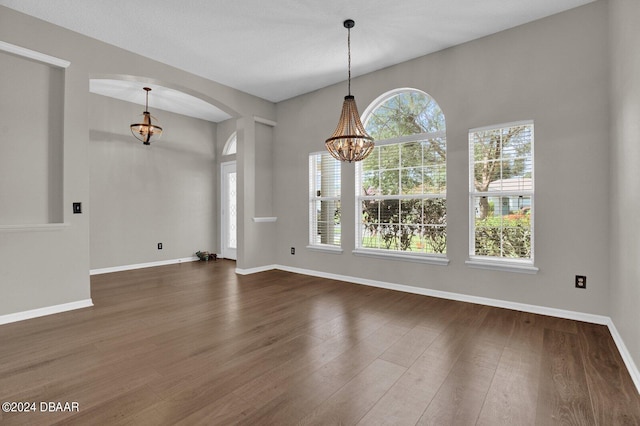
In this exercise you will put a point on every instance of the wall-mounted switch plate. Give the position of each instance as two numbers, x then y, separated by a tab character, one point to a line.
159	246
77	208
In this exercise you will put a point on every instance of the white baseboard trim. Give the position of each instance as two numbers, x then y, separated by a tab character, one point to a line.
250	271
49	310
141	265
534	309
624	353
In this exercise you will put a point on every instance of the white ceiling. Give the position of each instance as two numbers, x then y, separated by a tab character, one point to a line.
160	98
282	48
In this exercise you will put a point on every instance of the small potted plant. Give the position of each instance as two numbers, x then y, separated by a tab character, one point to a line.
205	255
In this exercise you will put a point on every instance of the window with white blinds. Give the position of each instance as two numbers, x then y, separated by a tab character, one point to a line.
401	187
324	200
501	192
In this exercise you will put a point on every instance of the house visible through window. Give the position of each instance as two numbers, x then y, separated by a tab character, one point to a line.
501	192
324	200
401	187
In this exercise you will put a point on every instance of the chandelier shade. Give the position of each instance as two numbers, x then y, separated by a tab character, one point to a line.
146	130
350	141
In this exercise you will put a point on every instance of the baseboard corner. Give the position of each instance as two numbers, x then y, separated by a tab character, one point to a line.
41	312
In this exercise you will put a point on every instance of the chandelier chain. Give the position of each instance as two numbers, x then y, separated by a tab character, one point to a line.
349	56
350	141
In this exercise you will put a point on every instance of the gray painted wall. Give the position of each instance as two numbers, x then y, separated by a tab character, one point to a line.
625	172
143	195
264	170
553	71
255	239
62	272
31	131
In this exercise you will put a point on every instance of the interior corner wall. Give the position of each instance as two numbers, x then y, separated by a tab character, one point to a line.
42	267
553	71
625	173
255	189
60	272
145	195
263	234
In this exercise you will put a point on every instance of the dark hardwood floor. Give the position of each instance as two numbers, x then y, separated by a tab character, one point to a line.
195	343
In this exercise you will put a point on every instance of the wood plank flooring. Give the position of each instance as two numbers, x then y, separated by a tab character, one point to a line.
195	343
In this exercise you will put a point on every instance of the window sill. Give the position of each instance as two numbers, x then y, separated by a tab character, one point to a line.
418	258
326	249
502	266
34	228
264	219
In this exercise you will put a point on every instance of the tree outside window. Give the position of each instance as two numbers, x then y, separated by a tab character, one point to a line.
501	191
401	186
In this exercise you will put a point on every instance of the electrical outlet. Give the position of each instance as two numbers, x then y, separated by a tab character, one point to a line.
293	250
159	246
581	281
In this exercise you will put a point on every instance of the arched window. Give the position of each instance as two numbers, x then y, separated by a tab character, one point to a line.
401	186
230	145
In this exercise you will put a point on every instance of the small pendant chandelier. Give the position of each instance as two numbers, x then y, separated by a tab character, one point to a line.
146	130
350	141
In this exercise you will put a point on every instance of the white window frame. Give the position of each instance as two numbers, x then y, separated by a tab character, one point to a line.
429	258
495	262
313	198
230	146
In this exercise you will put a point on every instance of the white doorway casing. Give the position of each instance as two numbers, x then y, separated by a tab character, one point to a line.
229	211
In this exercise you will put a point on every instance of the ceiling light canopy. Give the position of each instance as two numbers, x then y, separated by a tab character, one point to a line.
350	141
146	130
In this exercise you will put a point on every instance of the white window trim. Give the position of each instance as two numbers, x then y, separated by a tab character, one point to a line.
232	142
416	137
498	263
501	126
329	248
432	258
326	248
403	197
428	258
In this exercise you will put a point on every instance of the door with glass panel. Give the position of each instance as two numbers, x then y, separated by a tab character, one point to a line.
229	210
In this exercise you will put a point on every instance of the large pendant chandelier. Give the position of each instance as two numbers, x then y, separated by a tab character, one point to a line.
146	130
350	141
